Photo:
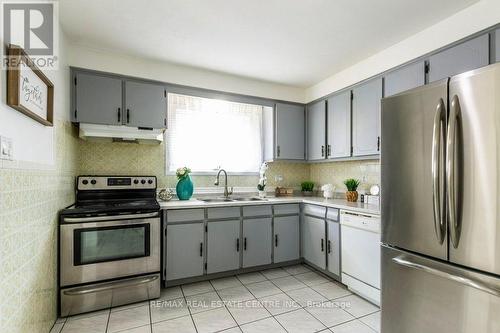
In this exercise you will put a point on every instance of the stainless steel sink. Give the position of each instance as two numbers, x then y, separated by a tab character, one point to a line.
216	200
249	199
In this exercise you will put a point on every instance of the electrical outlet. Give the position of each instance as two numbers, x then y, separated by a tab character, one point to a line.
278	178
6	148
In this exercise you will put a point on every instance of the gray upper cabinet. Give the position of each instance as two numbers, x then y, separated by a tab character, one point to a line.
366	118
185	250
316	136
466	56
286	238
339	126
97	99
290	132
405	78
497	45
145	105
223	246
257	242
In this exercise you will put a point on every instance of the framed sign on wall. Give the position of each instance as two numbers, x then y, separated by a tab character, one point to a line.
28	90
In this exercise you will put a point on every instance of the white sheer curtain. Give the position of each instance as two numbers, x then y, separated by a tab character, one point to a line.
205	134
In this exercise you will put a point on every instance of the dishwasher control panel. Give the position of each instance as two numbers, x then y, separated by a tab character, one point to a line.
360	221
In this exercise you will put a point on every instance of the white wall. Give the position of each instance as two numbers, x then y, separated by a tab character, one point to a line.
34	143
477	17
108	61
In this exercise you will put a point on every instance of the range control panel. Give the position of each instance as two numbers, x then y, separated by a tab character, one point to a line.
116	182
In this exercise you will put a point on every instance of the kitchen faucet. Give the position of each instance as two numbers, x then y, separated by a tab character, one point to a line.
227	193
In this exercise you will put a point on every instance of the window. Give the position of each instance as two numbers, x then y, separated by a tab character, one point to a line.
206	134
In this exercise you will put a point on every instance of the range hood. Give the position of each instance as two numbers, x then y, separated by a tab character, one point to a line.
120	134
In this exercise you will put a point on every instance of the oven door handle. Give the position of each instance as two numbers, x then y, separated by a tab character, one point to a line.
110	286
109	218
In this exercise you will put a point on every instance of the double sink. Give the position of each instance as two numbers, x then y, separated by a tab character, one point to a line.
235	199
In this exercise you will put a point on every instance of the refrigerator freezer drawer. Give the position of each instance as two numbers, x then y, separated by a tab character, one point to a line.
424	295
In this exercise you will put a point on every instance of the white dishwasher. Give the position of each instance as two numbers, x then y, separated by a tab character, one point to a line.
360	239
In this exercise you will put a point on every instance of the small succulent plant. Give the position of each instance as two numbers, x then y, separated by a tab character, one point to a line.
351	184
307	186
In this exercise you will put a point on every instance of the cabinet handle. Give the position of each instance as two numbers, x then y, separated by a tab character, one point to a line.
329	247
278	151
378	143
119	115
322	245
322	151
329	153
276	240
201	249
245	243
128	116
237	245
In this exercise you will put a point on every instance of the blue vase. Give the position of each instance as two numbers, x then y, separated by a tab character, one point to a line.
184	188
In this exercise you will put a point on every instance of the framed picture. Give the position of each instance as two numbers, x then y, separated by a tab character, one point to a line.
28	90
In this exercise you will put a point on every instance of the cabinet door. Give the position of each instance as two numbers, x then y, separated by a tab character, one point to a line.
466	56
223	245
145	105
316	127
290	132
184	250
497	45
286	238
339	125
366	118
98	99
405	78
257	242
333	247
313	241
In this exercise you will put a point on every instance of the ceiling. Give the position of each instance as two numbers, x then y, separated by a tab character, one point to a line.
292	42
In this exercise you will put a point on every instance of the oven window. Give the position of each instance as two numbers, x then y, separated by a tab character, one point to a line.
95	245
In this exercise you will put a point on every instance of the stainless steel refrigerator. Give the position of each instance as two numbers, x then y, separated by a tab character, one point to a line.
440	162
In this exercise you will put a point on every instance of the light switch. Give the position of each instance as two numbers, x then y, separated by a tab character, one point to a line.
6	148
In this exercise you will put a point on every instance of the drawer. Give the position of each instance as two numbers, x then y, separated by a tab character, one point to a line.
185	215
286	209
261	210
223	212
314	210
332	214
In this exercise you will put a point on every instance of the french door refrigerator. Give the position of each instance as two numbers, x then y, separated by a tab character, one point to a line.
440	162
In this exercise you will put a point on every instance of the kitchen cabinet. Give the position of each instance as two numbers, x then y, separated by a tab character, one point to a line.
366	118
461	58
185	250
257	241
223	246
316	131
333	247
497	45
286	238
339	125
405	78
145	105
313	240
290	131
97	99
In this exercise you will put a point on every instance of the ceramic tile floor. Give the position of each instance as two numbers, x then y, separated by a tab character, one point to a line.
290	299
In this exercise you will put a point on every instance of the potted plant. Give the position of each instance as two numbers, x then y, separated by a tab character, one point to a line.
352	186
307	188
184	186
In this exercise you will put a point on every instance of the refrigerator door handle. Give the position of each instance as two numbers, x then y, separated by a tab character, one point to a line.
455	116
451	275
437	171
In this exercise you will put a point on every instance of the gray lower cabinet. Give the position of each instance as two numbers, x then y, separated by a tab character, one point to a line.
185	250
339	126
366	118
316	135
286	238
257	241
313	241
145	105
497	45
223	246
97	99
405	78
290	130
333	247
466	56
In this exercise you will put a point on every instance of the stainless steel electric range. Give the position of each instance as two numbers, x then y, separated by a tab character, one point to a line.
109	244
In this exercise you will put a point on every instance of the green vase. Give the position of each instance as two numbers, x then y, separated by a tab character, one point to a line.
184	188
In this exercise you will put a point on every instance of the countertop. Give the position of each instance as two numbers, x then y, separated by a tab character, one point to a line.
334	203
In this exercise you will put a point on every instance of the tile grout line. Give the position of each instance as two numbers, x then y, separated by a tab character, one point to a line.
189	310
150	315
225	307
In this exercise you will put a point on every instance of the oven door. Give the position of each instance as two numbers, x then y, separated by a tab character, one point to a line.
101	248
